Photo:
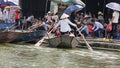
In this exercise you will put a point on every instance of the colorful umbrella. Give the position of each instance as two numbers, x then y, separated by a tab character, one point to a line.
2	2
72	8
113	6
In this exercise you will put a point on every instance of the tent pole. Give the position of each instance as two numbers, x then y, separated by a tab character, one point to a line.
46	6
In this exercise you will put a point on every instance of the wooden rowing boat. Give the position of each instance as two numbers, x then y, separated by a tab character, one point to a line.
20	35
64	41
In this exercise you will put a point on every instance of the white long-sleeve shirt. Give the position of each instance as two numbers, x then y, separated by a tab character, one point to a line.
97	26
116	16
6	14
64	25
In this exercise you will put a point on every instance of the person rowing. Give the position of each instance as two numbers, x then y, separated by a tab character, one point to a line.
64	24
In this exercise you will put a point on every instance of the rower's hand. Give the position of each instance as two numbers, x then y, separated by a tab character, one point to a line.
76	26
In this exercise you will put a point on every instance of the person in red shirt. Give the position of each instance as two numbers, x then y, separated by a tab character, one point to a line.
90	31
17	18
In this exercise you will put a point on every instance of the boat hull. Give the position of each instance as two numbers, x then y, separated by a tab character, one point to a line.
64	41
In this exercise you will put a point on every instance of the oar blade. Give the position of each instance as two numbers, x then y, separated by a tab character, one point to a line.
88	46
39	42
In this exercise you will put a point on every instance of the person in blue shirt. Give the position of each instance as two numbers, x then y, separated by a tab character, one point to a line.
97	28
84	29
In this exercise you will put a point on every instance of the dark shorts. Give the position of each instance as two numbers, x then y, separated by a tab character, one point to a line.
64	33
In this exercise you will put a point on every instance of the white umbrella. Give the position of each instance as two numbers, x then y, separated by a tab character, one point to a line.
79	2
113	6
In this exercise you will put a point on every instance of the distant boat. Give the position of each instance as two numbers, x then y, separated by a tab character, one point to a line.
21	36
64	41
12	35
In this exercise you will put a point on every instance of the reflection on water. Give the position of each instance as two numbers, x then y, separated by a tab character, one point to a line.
28	56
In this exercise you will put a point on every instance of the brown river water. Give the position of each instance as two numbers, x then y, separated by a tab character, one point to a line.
28	56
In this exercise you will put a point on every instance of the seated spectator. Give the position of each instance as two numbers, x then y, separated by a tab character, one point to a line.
100	17
84	29
97	28
90	31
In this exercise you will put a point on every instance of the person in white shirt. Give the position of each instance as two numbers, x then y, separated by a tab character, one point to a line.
64	24
6	15
55	17
29	20
115	19
97	28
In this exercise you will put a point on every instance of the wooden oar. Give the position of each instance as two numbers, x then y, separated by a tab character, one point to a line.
40	41
34	27
88	46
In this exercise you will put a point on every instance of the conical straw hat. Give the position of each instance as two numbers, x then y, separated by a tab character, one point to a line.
64	16
49	12
100	13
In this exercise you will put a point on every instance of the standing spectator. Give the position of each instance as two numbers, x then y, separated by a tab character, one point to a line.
6	15
108	28
100	17
17	18
24	26
115	18
97	28
29	20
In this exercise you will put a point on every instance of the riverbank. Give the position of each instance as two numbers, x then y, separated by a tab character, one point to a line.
101	44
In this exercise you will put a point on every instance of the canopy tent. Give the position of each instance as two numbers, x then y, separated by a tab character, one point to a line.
16	2
77	2
10	2
65	1
2	2
72	8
